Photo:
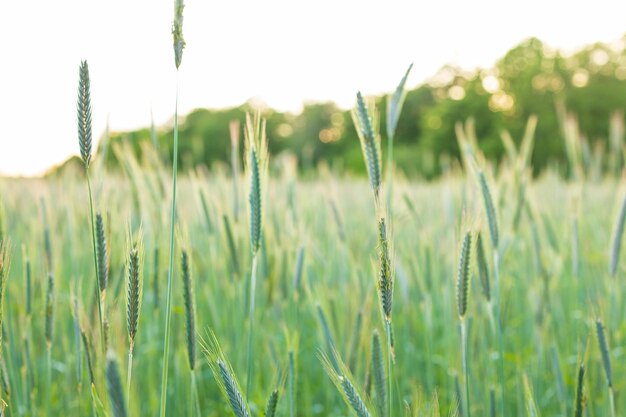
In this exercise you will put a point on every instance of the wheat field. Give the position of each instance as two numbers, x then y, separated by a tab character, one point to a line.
256	292
316	293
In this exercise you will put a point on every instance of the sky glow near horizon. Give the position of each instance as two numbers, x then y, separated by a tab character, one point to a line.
283	52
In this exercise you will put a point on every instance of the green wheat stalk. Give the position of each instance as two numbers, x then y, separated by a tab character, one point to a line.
378	372
492	223
134	297
272	402
385	290
256	167
342	379
370	142
179	45
603	344
291	385
2	222
49	329
616	244
531	407
483	268
367	128
103	258
83	107
190	327
5	265
462	294
579	404
224	375
328	338
114	387
355	342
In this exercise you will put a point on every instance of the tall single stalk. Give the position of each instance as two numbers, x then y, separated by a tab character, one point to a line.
603	344
389	336
170	269
366	127
49	374
499	336
291	385
464	354
494	235
190	328
256	166
83	111
129	373
179	45
114	387
462	294
251	323
195	400
95	259
134	297
385	291
49	328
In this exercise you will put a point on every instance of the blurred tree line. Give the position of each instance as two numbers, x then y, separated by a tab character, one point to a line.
530	79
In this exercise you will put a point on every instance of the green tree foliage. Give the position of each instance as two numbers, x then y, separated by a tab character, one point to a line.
529	79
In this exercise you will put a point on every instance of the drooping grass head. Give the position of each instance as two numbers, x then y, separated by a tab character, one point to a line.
256	168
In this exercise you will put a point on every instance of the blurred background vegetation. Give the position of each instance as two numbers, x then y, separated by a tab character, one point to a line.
588	85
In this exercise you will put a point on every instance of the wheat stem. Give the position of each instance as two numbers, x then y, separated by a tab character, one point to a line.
464	353
170	270
114	387
389	366
129	374
95	258
194	395
291	381
251	323
499	336
49	374
580	402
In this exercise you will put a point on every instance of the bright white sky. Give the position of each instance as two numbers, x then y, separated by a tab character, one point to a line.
281	51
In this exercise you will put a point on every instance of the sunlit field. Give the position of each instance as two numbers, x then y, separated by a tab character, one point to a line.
316	293
475	271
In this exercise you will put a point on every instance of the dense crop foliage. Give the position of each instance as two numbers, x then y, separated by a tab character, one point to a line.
318	259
